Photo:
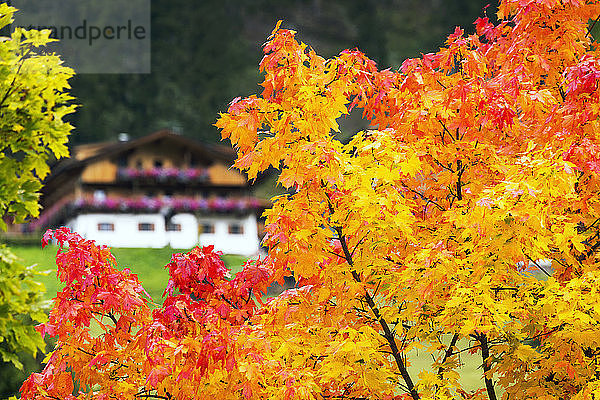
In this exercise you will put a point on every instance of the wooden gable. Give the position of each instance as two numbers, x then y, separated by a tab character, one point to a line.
162	150
101	171
219	174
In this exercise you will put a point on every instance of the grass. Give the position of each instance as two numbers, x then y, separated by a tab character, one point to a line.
148	264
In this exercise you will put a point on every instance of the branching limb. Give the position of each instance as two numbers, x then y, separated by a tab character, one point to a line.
448	353
11	86
538	265
228	301
459	184
487	368
152	396
582	228
446	130
425	198
591	251
591	27
387	332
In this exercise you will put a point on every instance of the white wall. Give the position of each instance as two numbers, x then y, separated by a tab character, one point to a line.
188	236
127	234
245	244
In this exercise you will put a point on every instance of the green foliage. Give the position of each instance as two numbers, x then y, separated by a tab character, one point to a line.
12	378
20	296
33	101
19	240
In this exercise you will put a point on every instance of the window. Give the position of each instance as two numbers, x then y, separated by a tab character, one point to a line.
171	227
207	227
158	164
236	229
145	227
106	227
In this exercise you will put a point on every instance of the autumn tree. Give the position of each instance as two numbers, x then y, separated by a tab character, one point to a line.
466	220
33	101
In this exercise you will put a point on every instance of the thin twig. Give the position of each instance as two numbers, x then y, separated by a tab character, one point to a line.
448	353
537	265
591	27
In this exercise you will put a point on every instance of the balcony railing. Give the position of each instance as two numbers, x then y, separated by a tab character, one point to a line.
69	208
184	175
178	204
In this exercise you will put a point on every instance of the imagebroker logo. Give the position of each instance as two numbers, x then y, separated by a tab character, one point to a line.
108	36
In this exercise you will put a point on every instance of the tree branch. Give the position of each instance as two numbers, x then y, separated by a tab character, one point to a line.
424	197
447	131
582	228
591	251
591	27
152	396
485	355
448	353
460	170
387	332
228	301
10	87
538	266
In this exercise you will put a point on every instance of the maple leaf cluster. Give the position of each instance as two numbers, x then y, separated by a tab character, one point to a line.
466	220
111	344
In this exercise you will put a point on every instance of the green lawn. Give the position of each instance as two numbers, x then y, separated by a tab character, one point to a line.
148	264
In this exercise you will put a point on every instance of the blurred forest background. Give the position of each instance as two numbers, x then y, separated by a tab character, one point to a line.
205	53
